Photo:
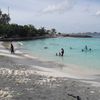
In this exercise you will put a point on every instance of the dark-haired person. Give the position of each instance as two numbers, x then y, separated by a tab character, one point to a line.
12	49
62	51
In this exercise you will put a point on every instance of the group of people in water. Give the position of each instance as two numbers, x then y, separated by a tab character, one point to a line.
86	49
61	53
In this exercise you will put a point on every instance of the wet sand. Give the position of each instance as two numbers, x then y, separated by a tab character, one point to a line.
26	78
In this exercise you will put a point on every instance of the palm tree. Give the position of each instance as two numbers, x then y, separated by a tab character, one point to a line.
4	18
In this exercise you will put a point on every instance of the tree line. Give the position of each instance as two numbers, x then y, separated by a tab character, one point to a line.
20	31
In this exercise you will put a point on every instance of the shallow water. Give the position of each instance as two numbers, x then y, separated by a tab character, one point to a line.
75	56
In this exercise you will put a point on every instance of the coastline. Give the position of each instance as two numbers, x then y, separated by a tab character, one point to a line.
22	78
26	38
52	68
46	36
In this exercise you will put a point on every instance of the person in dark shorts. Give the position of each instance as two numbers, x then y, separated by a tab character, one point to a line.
62	51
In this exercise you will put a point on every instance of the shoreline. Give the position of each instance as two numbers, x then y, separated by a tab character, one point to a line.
21	78
52	67
45	37
26	38
67	70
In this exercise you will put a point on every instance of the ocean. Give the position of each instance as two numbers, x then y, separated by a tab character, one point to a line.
46	49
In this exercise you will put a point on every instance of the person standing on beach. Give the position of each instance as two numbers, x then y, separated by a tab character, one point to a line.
12	49
62	51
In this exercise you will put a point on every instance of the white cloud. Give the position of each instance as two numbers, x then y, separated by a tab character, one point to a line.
60	7
98	13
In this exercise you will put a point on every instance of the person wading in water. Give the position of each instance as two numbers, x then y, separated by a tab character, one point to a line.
62	51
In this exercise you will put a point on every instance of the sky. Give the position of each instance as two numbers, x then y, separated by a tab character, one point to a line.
65	16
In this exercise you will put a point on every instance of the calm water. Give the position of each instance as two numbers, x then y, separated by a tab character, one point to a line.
89	59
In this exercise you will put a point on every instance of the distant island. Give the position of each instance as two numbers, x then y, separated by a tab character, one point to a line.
83	35
78	35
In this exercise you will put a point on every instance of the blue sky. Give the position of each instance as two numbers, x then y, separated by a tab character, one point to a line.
63	15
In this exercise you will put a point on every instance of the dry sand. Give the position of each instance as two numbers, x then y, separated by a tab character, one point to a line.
26	78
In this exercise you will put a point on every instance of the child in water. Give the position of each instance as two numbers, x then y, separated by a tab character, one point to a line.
60	53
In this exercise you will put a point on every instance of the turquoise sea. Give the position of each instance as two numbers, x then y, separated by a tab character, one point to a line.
73	51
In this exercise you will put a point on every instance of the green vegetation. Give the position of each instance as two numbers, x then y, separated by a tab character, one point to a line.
20	31
4	18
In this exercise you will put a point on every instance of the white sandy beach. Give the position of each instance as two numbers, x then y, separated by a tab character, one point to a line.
24	77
